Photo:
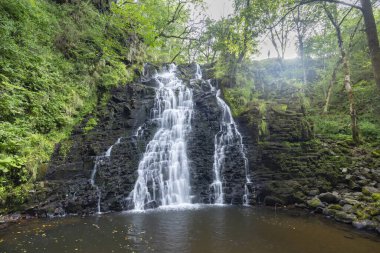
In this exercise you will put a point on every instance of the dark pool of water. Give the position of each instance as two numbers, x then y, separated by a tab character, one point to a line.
206	229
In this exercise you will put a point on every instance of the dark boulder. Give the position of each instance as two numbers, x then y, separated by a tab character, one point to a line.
330	198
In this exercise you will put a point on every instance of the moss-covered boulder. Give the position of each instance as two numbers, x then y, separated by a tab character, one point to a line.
315	202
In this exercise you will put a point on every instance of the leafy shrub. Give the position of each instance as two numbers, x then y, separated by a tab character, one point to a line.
370	131
334	126
91	123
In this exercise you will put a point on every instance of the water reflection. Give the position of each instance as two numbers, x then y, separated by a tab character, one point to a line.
207	229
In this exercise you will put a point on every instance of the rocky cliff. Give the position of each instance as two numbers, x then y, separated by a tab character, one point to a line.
291	166
287	164
68	189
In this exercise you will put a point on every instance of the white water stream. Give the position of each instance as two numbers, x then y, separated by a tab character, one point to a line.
100	160
163	172
228	135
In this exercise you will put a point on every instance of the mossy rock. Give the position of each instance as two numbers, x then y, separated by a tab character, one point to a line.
315	202
369	191
373	211
299	197
362	215
376	196
376	153
344	217
335	207
273	201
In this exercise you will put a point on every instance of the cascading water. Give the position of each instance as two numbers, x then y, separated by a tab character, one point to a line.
228	135
140	131
108	153
163	172
100	160
198	73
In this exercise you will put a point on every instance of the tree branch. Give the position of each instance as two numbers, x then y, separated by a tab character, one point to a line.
303	2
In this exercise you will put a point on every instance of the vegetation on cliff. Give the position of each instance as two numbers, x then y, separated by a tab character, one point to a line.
58	60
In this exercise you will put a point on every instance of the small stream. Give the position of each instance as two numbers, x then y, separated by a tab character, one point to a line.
201	229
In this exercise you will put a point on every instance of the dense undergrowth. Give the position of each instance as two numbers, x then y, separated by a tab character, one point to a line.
54	67
57	63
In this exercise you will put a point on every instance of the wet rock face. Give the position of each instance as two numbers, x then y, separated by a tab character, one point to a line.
279	153
201	144
287	165
68	184
68	188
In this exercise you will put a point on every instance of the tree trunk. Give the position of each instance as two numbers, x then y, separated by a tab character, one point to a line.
347	85
302	55
274	43
347	78
372	37
331	85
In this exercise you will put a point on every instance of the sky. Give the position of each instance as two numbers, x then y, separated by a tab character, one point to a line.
222	8
219	8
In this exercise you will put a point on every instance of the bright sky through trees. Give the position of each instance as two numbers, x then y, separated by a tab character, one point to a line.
222	8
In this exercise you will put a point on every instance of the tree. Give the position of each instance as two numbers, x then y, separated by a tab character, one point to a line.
372	38
370	30
270	18
332	14
207	48
164	24
304	17
276	23
236	38
279	34
337	66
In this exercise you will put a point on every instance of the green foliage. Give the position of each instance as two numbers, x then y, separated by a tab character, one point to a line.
376	196
65	147
238	99
370	131
241	94
58	62
376	153
14	198
91	123
334	126
45	82
263	127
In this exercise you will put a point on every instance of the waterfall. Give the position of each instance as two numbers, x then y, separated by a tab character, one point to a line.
163	172
100	160
108	153
140	131
228	135
198	73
